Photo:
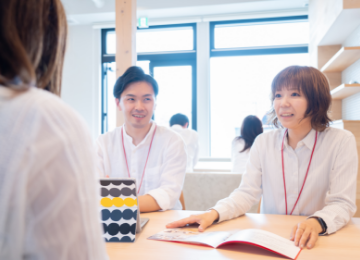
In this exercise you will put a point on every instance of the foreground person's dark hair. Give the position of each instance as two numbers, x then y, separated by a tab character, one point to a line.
32	43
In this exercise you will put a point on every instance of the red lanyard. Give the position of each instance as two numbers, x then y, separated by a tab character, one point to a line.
127	166
283	170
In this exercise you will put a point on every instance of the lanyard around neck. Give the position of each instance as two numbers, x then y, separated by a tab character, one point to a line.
283	171
127	166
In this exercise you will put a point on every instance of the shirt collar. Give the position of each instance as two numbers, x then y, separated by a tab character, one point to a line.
308	140
145	140
177	127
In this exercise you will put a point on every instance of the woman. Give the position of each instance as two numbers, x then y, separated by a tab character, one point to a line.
305	168
48	195
250	129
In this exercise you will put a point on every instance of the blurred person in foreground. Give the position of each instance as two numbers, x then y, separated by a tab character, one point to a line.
48	192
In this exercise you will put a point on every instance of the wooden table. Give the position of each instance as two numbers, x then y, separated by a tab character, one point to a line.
343	245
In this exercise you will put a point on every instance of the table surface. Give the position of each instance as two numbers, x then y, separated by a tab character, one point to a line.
344	244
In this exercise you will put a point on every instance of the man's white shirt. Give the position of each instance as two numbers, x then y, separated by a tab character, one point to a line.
165	170
330	188
191	139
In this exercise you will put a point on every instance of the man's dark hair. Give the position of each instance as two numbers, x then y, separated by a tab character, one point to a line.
131	75
179	119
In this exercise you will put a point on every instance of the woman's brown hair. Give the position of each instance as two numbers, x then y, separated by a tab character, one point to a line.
313	85
32	43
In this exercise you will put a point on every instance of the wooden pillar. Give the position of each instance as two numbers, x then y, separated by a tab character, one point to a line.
125	28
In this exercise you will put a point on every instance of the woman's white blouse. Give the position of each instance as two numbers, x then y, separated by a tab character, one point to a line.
165	169
239	160
330	188
48	193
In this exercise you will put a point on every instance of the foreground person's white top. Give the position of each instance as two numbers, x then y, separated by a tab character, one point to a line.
48	193
330	188
165	170
191	139
239	159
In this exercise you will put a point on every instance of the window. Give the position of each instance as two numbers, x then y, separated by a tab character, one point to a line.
245	57
165	39
261	34
168	53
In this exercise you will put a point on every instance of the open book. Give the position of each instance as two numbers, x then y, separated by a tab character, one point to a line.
256	237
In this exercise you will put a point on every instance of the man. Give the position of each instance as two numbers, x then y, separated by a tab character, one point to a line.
180	123
154	155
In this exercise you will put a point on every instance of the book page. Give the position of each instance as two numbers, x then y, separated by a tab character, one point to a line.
268	240
212	239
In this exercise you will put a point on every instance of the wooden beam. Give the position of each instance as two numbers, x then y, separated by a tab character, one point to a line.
125	28
351	4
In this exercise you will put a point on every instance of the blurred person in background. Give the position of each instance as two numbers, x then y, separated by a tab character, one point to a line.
180	124
240	147
48	192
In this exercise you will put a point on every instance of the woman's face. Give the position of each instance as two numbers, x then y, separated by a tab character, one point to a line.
290	106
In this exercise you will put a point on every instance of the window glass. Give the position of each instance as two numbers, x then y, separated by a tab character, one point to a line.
175	93
167	39
145	65
240	86
157	40
265	34
110	42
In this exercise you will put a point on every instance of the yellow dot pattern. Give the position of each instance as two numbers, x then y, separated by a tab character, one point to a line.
118	202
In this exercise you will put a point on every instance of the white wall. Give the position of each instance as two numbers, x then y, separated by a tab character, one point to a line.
81	76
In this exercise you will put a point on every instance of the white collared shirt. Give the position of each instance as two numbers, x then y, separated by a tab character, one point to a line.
191	139
165	169
49	194
330	188
238	158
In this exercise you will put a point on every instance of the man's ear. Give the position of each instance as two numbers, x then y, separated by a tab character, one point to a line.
117	101
186	125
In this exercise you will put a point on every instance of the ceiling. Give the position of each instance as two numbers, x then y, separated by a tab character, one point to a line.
174	11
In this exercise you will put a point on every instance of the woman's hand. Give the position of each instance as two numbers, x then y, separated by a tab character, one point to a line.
205	220
306	233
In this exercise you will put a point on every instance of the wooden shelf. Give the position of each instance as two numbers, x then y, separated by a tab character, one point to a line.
345	90
352	125
347	20
342	59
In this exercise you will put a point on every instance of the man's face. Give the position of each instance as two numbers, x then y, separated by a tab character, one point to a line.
137	103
